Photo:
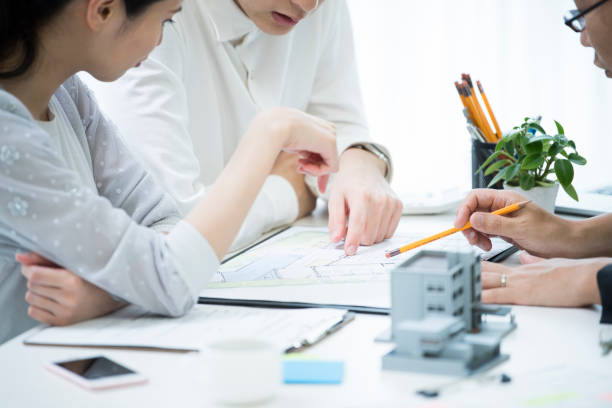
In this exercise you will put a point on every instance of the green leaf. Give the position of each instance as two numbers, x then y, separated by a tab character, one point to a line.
500	175
512	171
511	136
533	161
571	191
571	144
539	138
523	139
526	181
564	172
560	129
537	127
489	160
500	145
555	149
534	147
577	159
544	183
496	166
561	139
509	147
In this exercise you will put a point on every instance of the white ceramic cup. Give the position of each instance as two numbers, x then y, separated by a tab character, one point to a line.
242	370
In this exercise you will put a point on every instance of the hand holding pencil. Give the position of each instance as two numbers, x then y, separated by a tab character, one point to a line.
532	228
502	211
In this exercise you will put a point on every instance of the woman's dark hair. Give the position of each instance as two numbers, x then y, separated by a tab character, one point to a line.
20	21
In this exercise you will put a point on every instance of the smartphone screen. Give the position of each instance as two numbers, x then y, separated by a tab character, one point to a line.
94	368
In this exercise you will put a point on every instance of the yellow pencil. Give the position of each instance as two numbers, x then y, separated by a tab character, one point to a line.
484	123
493	119
501	211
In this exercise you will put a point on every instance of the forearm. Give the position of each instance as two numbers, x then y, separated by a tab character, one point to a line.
586	284
219	215
593	237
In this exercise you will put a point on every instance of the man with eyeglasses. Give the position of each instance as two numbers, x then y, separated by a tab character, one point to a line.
185	109
565	263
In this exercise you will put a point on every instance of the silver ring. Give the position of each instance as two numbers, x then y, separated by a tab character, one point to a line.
503	279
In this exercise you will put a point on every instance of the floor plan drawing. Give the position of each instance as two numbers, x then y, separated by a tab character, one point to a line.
305	255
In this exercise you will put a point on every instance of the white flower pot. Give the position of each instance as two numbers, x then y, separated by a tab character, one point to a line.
545	197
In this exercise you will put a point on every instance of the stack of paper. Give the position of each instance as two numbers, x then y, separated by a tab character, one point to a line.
133	328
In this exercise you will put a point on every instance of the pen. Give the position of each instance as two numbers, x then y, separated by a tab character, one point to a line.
313	339
501	211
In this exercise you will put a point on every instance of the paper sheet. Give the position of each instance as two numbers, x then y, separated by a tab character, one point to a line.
305	255
131	327
302	265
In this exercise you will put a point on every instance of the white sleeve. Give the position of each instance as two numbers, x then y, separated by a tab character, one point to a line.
150	106
336	95
276	205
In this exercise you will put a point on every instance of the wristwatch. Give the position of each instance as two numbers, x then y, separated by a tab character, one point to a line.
368	147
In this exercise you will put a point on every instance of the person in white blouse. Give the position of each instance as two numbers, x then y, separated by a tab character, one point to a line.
184	111
79	216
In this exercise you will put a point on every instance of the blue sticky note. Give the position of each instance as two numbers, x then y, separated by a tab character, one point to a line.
313	372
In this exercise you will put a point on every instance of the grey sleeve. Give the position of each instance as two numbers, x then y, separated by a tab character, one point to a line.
45	208
118	175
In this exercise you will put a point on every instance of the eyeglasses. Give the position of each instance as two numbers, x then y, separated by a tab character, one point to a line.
574	19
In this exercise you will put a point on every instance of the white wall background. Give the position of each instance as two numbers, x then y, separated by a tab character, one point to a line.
410	53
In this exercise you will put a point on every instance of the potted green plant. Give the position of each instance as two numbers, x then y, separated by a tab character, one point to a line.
527	157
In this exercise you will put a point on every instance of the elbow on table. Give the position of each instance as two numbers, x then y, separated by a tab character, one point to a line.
175	306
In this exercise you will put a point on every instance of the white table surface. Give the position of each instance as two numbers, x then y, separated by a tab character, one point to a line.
545	337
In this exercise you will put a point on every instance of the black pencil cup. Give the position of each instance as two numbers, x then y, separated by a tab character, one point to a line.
480	153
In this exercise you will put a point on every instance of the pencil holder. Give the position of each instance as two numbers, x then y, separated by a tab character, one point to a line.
480	153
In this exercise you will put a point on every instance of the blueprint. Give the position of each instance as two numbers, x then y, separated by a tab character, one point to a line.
305	255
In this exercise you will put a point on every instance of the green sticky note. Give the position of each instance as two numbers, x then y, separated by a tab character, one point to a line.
550	399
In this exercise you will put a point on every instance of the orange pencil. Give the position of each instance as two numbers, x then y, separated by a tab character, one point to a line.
501	211
476	119
464	102
469	104
491	114
460	94
486	128
470	113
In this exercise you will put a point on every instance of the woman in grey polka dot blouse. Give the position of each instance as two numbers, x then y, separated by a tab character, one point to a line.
80	219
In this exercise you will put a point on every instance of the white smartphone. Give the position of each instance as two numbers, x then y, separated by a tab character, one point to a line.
96	373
